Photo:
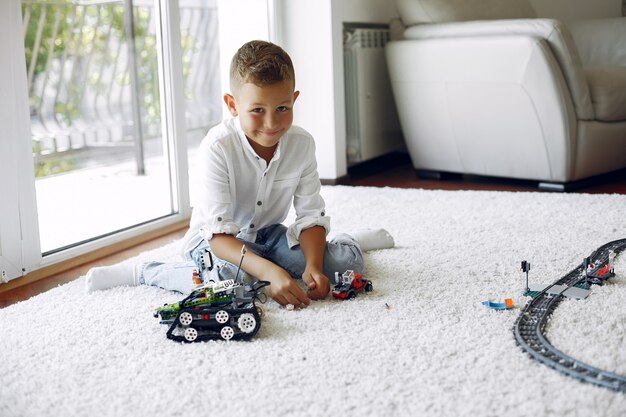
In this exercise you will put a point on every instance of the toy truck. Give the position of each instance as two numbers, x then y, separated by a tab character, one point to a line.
349	284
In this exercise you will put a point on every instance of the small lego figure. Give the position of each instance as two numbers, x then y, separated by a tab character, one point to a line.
195	278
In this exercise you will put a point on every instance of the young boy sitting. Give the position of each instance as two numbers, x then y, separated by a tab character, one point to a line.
251	168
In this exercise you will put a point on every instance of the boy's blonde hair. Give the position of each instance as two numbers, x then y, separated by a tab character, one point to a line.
260	63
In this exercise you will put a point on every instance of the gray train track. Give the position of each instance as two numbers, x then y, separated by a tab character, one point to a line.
530	326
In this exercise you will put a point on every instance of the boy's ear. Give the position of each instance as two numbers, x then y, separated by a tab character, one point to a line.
295	95
230	103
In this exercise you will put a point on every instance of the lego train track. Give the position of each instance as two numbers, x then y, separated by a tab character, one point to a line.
529	328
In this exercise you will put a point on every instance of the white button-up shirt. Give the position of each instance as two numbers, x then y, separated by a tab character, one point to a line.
238	193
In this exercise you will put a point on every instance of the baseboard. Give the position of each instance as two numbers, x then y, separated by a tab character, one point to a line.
438	175
379	164
343	180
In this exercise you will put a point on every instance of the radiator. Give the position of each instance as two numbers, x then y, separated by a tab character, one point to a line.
372	126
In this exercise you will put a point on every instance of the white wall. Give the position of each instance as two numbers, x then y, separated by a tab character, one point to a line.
312	33
238	22
305	31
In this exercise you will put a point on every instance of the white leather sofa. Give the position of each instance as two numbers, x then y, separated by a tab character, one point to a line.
485	87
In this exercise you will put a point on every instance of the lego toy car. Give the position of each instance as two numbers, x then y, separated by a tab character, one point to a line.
213	294
224	310
350	284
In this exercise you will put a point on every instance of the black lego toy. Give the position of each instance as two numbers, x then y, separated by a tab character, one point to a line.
214	310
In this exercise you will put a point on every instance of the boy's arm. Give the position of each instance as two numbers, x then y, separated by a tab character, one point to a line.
313	245
307	200
283	289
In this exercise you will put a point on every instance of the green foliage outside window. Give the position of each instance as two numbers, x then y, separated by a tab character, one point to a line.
76	57
89	35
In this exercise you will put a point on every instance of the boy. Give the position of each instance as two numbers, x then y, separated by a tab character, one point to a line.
251	169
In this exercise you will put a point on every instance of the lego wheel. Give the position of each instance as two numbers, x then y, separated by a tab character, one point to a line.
351	294
368	286
227	332
246	323
260	311
190	334
221	316
185	318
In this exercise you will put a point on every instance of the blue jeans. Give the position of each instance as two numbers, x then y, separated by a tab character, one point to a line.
341	253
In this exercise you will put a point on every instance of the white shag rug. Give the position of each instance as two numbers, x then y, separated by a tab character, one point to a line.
436	351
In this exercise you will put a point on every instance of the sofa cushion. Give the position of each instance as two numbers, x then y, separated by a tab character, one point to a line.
438	11
608	92
600	42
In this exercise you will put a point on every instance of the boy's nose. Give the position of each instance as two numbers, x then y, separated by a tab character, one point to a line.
271	121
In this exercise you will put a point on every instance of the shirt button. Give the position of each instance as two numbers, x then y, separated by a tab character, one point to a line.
252	226
258	203
323	214
219	219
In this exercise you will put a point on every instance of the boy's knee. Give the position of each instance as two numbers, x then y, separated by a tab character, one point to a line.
343	253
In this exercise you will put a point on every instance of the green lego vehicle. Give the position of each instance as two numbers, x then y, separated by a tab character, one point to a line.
225	310
212	294
214	310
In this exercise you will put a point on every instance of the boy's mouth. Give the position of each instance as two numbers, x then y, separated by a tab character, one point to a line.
270	133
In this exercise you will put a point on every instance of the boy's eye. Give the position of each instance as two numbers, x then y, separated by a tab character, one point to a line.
282	109
257	110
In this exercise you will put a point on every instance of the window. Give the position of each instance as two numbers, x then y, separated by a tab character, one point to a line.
118	93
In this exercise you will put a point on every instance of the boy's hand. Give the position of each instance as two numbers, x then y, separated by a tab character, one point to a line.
317	282
284	290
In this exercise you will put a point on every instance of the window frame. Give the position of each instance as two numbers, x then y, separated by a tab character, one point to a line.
19	238
20	250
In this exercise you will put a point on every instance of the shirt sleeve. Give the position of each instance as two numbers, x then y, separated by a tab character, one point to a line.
213	207
308	203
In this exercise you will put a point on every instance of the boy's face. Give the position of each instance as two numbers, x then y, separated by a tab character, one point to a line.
265	113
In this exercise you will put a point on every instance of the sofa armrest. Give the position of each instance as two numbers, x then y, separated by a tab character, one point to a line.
601	42
484	105
554	32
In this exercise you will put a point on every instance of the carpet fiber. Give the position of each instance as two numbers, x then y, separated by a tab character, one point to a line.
435	350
